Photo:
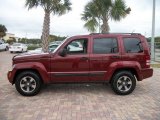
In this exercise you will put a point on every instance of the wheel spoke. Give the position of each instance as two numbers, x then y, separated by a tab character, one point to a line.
129	82
126	88
24	79
23	85
27	89
119	82
125	78
120	87
33	86
31	80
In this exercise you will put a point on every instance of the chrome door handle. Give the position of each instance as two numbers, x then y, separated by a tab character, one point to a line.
84	58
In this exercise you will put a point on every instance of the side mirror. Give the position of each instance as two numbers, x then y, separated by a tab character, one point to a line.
63	53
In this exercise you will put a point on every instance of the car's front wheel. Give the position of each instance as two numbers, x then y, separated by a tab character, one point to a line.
123	83
28	83
6	48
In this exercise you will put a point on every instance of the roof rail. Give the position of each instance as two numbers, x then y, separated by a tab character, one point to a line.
116	33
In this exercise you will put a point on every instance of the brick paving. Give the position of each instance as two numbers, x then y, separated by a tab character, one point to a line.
78	101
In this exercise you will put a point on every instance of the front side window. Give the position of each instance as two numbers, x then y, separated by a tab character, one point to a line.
105	45
77	46
132	45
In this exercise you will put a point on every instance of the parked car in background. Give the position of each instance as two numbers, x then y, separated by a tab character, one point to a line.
76	44
3	45
73	48
18	47
52	47
119	59
56	42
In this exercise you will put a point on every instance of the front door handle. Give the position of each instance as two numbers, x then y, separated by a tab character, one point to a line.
84	58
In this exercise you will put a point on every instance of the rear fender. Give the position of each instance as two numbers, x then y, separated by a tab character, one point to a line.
123	65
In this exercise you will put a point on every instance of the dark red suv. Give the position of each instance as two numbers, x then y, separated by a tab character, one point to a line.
120	59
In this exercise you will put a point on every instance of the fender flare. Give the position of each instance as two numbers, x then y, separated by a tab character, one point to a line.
124	65
39	67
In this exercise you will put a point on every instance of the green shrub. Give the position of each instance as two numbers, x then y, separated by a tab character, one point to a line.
33	47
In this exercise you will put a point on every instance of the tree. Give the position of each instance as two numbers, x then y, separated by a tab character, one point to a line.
3	30
57	7
98	11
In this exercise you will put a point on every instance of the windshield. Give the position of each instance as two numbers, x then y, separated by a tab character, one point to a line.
60	45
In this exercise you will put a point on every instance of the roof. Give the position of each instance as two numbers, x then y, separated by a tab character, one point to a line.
107	34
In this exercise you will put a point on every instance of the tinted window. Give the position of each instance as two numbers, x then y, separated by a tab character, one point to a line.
105	45
133	45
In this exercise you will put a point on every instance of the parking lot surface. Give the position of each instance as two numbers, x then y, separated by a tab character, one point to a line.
78	101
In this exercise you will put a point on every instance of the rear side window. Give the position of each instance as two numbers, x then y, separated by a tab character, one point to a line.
105	45
132	45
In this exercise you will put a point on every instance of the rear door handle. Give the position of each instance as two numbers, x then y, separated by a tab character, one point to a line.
115	56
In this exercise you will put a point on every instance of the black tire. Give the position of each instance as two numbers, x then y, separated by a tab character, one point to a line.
124	79
26	75
6	48
11	52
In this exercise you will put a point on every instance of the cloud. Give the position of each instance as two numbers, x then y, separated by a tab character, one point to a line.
22	22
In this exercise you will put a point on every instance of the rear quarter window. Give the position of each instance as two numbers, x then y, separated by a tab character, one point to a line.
132	45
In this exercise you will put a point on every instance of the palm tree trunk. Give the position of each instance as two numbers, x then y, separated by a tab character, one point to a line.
45	31
105	25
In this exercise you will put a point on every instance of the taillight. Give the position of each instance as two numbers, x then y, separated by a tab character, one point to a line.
148	61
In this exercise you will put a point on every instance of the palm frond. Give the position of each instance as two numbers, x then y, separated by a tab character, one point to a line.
31	3
91	25
119	10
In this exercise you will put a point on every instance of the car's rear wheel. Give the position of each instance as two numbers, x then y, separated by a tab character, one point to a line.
123	83
28	83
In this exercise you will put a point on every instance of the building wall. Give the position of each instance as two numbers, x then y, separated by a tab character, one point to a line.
9	36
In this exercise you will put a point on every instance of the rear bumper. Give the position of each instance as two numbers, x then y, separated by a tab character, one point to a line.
146	73
15	50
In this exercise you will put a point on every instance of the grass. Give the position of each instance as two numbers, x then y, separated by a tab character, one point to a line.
32	47
155	65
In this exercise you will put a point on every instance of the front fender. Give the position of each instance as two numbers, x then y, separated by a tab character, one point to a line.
30	65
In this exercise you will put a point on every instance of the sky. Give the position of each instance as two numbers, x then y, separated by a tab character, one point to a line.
28	23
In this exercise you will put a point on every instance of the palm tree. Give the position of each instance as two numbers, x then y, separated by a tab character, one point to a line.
57	7
3	30
98	11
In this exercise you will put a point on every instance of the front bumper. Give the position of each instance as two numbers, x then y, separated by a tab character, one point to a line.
10	76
